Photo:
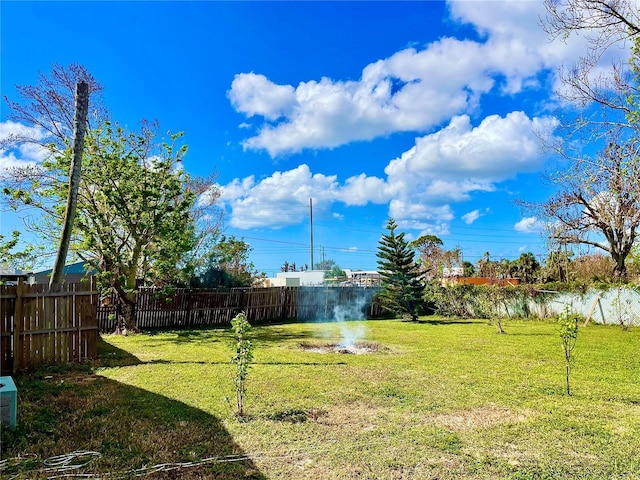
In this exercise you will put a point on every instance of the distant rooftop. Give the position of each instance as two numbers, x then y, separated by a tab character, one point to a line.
73	268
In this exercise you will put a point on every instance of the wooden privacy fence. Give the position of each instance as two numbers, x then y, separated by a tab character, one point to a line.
199	307
39	326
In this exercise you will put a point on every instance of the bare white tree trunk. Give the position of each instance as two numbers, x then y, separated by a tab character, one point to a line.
79	129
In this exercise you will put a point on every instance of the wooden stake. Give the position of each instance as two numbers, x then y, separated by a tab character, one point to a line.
593	307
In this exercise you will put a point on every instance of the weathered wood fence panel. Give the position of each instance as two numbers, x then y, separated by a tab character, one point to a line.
7	311
199	307
40	326
264	305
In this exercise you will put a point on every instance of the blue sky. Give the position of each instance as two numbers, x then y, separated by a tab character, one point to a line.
423	111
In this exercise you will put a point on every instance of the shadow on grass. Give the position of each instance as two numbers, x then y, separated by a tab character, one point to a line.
132	431
111	356
297	364
448	321
203	334
528	334
265	332
224	334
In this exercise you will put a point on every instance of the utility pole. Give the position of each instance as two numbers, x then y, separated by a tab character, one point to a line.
311	228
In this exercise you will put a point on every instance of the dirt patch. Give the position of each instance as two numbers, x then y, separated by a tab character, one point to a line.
357	348
356	418
477	417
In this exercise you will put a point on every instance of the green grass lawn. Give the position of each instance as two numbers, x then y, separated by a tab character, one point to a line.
438	399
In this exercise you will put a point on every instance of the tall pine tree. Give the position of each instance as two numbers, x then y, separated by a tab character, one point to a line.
402	287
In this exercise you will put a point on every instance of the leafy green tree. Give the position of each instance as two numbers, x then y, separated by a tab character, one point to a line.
486	267
526	267
506	268
434	258
402	285
242	358
133	213
327	264
335	272
469	269
11	256
135	219
557	265
228	265
568	322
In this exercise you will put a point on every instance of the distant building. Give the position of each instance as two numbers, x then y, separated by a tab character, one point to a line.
10	275
296	279
364	278
360	278
72	273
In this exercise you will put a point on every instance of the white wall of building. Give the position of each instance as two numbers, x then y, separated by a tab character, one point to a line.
296	279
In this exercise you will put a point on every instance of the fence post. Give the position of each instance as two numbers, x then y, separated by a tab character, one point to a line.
282	293
243	307
17	317
187	321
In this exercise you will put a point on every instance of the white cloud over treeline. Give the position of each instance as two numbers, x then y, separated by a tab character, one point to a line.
443	167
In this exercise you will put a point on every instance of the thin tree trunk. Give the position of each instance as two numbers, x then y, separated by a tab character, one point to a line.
79	129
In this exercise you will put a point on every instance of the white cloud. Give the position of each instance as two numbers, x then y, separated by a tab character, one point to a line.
15	153
361	189
495	150
410	90
279	200
404	211
452	163
528	225
18	130
254	94
406	92
437	229
472	216
442	167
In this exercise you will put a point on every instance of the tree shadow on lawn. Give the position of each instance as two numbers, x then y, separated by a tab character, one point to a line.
111	356
131	429
449	321
212	334
297	364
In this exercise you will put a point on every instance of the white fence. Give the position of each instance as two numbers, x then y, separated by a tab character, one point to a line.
617	306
